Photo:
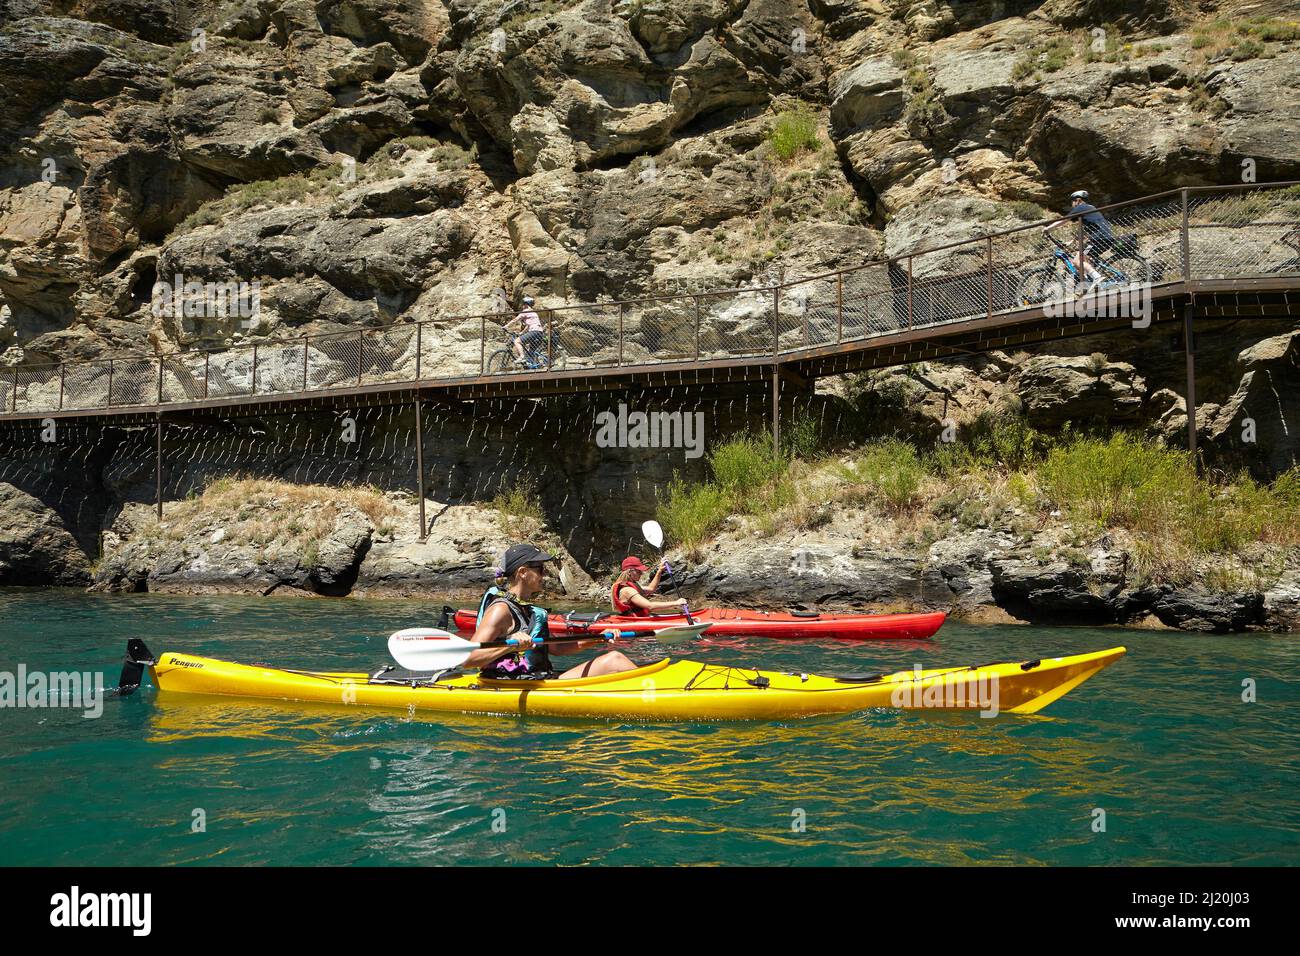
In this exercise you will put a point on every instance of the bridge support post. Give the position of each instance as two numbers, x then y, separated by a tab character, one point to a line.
419	464
1189	349
776	410
157	474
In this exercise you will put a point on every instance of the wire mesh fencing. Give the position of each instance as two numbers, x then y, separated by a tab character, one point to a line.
736	324
85	385
874	301
388	354
36	388
593	336
335	360
1243	233
279	368
134	382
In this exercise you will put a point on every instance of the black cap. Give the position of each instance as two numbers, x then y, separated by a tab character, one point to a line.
517	555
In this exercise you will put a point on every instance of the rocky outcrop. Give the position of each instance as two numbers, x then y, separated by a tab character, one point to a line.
36	547
1199	609
1028	577
1256	423
353	556
1055	390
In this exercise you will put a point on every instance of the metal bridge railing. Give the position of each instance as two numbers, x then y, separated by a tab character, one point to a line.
1196	233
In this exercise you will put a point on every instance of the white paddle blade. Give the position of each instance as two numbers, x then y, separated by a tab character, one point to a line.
653	534
680	634
429	649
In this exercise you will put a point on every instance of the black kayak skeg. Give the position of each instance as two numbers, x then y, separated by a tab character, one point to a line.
137	658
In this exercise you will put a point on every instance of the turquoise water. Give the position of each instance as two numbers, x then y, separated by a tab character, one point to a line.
1162	742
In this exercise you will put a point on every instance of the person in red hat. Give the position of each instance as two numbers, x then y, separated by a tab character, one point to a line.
629	597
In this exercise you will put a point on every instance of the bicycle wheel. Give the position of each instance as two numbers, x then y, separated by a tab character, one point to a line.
499	361
1034	288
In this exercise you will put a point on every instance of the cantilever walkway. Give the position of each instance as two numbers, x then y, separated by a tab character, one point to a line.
1209	252
1230	251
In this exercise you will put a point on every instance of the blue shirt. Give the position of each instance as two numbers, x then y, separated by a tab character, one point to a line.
1094	223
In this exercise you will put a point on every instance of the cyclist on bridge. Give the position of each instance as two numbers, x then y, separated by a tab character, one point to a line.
1098	235
533	333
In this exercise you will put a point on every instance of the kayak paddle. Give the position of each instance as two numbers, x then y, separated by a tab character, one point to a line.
430	649
654	535
672	634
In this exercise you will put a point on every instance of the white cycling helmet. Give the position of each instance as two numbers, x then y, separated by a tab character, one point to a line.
528	300
1080	194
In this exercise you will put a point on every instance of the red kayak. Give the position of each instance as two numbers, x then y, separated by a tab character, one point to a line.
725	622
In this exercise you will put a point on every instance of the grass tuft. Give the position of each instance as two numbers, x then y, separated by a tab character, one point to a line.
793	132
520	507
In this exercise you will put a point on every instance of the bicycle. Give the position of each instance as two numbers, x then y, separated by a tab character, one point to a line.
1035	287
1291	239
535	359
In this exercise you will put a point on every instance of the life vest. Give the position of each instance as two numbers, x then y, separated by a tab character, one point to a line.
624	608
528	618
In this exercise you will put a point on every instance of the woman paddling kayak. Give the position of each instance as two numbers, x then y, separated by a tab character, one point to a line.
629	597
506	611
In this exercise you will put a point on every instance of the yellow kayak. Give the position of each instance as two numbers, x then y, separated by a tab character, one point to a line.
665	690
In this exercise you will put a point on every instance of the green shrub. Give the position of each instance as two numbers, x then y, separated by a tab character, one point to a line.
1022	69
891	469
1272	31
904	59
1247	50
792	132
520	507
395	146
837	202
1232	517
1005	440
270	192
522	13
803	437
744	463
690	514
1156	492
1055	55
1046	57
923	105
1286	488
1027	211
1122	481
1203	100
